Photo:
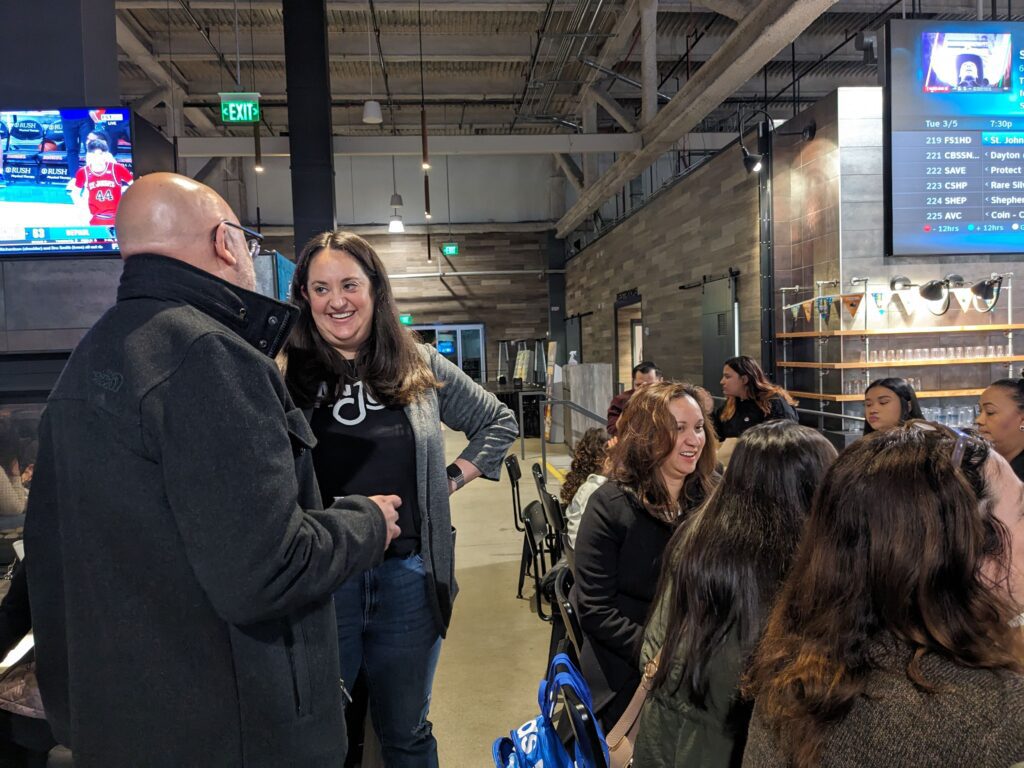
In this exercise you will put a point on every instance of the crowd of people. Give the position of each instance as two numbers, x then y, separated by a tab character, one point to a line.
812	608
288	533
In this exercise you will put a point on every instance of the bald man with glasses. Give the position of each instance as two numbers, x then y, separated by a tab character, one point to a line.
180	564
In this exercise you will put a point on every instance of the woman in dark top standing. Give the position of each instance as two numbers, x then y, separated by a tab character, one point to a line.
662	468
750	399
1001	420
376	401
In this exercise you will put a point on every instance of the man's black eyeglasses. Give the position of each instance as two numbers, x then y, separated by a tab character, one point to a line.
253	238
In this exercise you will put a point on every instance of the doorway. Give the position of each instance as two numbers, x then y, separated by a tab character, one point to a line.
463	345
629	338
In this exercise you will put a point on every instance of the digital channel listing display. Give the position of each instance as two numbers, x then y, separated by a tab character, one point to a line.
62	174
955	149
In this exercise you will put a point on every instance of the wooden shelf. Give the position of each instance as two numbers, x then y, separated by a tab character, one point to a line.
903	363
901	331
860	397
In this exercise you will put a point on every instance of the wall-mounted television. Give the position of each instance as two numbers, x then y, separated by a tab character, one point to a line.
954	138
63	174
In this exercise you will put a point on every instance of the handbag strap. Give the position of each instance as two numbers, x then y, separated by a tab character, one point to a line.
636	704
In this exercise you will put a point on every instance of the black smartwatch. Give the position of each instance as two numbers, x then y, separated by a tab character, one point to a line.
455	473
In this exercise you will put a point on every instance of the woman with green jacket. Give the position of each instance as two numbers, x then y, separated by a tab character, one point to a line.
721	574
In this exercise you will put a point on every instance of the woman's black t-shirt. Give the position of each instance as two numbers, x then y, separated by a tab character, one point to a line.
365	448
1018	465
748	414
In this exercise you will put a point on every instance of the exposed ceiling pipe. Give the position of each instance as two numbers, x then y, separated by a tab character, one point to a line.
477	273
533	61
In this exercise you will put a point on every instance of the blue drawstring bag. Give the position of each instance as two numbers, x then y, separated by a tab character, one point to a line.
536	743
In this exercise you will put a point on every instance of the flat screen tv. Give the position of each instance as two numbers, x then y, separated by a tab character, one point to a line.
954	138
63	174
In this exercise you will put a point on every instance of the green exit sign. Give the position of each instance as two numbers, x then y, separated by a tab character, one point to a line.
450	249
405	319
240	108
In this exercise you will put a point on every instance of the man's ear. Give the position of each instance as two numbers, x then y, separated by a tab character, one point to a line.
220	246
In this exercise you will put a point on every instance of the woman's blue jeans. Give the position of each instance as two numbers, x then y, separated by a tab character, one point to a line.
386	631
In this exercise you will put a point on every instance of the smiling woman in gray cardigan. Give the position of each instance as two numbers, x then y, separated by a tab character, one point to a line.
376	401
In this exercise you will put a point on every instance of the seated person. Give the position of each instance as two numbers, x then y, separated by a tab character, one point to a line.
661	469
890	644
586	475
13	496
1001	420
644	373
888	403
721	574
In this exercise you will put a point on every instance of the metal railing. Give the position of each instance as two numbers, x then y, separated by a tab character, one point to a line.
569	404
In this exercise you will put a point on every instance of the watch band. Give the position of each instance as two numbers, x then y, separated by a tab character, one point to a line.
455	474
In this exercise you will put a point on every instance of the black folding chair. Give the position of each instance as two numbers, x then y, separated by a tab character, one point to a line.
573	630
514	476
552	511
534	552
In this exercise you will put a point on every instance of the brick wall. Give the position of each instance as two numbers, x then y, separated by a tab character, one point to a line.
703	225
509	306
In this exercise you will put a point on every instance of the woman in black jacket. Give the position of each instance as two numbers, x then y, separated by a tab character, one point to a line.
662	468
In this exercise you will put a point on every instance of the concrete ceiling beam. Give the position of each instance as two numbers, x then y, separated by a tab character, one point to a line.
551	144
155	71
772	25
571	170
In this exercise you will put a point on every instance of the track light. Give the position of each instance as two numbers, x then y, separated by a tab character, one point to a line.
988	288
933	290
899	283
753	163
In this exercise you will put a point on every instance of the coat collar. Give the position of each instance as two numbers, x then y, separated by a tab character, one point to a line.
261	321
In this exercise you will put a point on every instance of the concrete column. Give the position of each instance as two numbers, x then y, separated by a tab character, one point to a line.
648	60
589	126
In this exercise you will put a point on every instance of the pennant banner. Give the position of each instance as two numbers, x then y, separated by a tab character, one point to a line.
825	308
963	297
852	303
881	300
909	299
808	308
795	310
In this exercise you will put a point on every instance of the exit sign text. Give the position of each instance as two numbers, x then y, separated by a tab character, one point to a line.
241	108
450	249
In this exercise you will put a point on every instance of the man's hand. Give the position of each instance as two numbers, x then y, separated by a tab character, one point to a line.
389	508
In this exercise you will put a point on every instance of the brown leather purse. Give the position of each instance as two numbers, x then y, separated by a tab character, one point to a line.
622	736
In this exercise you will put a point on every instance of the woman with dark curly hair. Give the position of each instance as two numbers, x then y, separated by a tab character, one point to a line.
890	643
585	476
661	469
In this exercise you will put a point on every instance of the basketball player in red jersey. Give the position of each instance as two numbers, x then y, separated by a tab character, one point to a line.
102	180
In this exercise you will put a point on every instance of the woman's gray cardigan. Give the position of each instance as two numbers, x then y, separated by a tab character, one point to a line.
461	404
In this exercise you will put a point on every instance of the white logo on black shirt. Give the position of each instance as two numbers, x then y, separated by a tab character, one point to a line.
354	407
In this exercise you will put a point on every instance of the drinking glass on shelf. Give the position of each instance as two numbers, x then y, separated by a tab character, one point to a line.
958	353
1000	350
900	354
890	355
966	416
936	353
863	355
991	350
873	356
920	354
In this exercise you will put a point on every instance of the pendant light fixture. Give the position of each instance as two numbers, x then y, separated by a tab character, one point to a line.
426	196
258	164
425	156
371	109
395	226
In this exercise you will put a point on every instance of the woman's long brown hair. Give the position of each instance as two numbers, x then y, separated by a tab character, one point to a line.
646	434
893	553
389	363
587	459
759	387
